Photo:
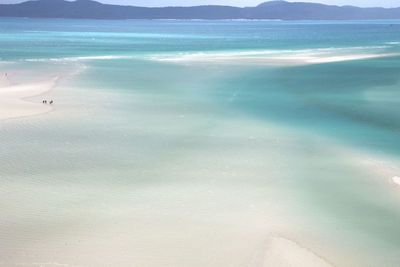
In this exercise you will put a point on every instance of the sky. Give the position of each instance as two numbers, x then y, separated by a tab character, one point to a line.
361	3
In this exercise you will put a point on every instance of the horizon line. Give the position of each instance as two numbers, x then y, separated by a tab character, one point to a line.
129	5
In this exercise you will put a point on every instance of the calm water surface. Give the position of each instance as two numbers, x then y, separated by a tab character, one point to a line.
168	146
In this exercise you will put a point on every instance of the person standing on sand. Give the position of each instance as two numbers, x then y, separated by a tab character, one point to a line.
4	80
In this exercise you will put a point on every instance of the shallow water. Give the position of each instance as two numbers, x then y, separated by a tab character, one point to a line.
201	163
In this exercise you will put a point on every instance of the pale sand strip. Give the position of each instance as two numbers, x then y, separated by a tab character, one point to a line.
331	59
287	253
13	105
290	60
268	57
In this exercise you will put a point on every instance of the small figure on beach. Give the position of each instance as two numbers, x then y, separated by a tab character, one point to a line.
44	101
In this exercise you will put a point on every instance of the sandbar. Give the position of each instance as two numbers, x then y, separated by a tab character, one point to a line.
13	103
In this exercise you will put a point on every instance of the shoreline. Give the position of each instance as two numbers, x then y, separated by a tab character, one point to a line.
14	103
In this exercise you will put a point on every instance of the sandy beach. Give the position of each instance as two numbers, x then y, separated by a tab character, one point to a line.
199	144
13	103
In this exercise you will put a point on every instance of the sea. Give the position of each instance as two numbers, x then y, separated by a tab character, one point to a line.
202	143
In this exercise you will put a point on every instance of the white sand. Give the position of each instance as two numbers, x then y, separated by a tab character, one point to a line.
381	167
331	59
284	252
263	58
12	103
396	180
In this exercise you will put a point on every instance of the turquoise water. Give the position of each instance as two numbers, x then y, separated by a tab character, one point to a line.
171	146
84	37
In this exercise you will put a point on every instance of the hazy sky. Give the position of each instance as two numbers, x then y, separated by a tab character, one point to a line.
363	3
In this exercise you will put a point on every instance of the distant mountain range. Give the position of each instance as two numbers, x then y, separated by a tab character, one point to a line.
269	10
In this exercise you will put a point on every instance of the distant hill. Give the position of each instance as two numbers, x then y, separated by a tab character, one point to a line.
269	10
